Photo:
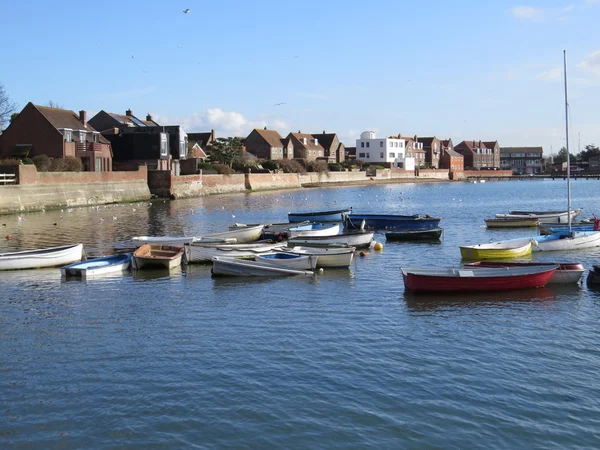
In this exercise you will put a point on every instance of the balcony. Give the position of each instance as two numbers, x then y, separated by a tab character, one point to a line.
88	147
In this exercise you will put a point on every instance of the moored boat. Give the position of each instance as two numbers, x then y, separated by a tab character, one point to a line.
543	216
241	235
157	256
512	222
288	260
102	265
566	273
432	234
593	278
359	239
327	256
391	221
41	258
198	252
245	268
176	240
314	229
476	280
497	250
336	215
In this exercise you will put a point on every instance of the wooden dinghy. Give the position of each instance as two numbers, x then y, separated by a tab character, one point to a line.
198	252
244	268
359	239
327	256
102	265
476	280
42	258
497	250
157	256
512	222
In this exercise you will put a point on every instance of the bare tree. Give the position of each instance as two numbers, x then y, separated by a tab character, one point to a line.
53	104
6	107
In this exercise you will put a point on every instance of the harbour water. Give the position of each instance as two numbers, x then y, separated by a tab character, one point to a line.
344	360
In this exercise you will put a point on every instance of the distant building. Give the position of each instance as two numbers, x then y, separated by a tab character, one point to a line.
479	154
432	148
306	146
451	160
57	133
594	163
268	144
522	160
387	152
197	143
414	149
350	153
106	122
334	149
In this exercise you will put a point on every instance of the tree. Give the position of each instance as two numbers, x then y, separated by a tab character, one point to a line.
590	151
6	108
562	156
53	104
224	150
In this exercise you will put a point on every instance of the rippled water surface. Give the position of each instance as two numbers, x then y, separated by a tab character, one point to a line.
344	360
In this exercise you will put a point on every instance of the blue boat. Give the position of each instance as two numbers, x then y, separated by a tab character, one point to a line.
336	215
392	221
98	266
565	228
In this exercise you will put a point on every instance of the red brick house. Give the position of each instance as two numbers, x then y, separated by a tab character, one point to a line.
477	155
106	122
334	149
268	144
451	160
305	146
57	133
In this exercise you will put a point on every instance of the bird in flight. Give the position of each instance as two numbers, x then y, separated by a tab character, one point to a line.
278	104
187	10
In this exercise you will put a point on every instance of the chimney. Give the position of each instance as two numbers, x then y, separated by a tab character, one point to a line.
323	131
82	117
480	143
148	117
265	128
128	113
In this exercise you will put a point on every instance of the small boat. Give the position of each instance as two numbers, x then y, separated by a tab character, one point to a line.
555	228
391	221
463	280
245	268
336	215
593	278
542	216
314	229
241	235
198	252
497	250
102	265
288	260
157	256
566	273
561	241
512	222
357	239
42	258
432	234
327	257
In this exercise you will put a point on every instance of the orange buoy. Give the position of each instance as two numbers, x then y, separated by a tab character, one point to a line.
378	246
363	253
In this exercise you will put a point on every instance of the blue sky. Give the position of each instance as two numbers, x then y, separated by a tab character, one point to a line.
461	69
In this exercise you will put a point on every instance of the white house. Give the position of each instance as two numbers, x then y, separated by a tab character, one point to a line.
389	151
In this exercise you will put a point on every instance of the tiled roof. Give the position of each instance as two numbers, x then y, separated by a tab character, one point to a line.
201	138
310	145
64	118
426	140
453	153
521	149
325	139
272	137
198	151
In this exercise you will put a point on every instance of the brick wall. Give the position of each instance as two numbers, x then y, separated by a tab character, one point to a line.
28	174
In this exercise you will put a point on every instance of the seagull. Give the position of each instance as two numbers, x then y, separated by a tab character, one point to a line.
278	104
187	10
132	57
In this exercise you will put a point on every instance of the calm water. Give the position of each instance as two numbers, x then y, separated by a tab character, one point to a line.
346	360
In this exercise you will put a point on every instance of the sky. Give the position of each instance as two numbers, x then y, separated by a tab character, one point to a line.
463	69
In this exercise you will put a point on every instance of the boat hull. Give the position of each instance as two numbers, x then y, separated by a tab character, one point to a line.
562	241
104	265
203	253
241	268
392	221
288	261
43	258
150	256
461	280
358	240
511	223
336	215
434	234
313	230
543	217
497	250
327	257
566	273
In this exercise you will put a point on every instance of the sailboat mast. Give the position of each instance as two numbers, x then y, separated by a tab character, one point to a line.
567	143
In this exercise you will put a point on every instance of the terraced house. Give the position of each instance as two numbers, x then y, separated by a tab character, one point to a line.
306	146
522	160
479	154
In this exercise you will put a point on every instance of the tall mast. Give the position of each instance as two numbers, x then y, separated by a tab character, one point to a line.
567	142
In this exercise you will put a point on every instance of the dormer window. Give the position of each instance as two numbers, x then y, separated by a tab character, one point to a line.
68	134
304	141
82	137
316	141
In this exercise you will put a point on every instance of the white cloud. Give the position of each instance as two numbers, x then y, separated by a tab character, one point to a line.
527	13
591	64
550	75
225	123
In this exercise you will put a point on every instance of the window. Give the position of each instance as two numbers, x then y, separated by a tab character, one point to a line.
164	147
391	144
98	164
82	137
68	134
362	144
392	155
361	155
96	138
381	155
381	144
368	155
368	144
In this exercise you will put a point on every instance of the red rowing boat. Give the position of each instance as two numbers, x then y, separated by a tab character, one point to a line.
476	280
567	273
